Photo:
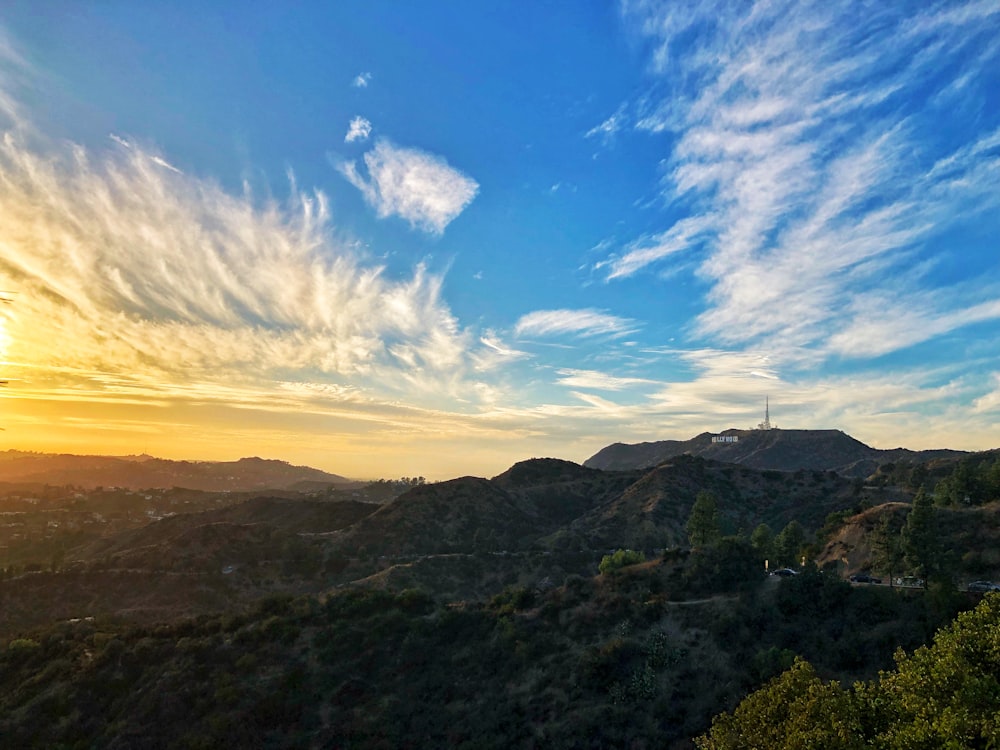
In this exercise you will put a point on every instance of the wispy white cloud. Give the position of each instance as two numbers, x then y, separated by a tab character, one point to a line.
361	80
811	167
493	342
585	322
412	184
610	127
599	380
685	234
358	130
138	281
164	163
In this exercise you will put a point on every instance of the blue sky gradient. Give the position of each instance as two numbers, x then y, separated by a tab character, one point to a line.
400	238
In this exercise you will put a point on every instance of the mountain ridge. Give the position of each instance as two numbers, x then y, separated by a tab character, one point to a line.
774	449
147	472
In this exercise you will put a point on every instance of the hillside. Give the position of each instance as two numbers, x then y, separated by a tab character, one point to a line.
969	538
462	613
509	512
781	450
146	472
653	511
246	534
605	661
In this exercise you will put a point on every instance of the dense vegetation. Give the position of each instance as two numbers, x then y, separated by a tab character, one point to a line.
946	695
553	605
624	659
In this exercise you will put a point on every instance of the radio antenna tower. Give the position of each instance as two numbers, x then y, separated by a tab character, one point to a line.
766	424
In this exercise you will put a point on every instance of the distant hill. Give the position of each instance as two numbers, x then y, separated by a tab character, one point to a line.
547	504
781	450
653	511
509	512
146	472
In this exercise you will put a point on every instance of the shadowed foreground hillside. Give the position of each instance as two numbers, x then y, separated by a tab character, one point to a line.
611	661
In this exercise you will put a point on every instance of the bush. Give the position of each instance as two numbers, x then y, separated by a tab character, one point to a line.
620	559
22	647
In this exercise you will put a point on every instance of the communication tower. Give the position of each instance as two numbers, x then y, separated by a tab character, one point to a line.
766	424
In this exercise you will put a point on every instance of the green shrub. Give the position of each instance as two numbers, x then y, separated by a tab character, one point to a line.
620	559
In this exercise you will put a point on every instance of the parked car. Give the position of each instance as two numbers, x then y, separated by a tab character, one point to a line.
864	578
983	586
784	572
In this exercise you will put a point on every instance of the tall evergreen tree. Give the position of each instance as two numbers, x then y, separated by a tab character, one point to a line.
887	548
920	546
788	544
762	540
703	523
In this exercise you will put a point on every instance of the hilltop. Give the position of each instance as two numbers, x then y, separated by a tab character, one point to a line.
776	449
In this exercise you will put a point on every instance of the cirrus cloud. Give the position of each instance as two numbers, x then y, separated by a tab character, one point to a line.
808	167
586	322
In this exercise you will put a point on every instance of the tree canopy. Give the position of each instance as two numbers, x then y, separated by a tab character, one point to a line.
946	695
703	523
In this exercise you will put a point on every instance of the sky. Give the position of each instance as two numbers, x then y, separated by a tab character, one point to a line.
395	239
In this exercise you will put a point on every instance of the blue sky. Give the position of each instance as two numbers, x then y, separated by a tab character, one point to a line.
437	238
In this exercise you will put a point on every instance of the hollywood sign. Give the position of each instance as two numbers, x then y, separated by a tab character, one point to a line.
726	439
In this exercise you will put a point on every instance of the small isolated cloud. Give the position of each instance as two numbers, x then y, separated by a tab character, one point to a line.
607	129
412	184
361	80
586	322
359	130
164	163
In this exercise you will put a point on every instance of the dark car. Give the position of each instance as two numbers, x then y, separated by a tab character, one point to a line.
865	578
982	586
785	572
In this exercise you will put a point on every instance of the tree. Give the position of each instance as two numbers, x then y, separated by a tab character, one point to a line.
887	550
788	544
703	523
946	695
762	540
920	547
794	710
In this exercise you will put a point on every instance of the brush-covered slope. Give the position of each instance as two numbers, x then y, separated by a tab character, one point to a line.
654	510
969	540
557	505
507	513
782	450
261	518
